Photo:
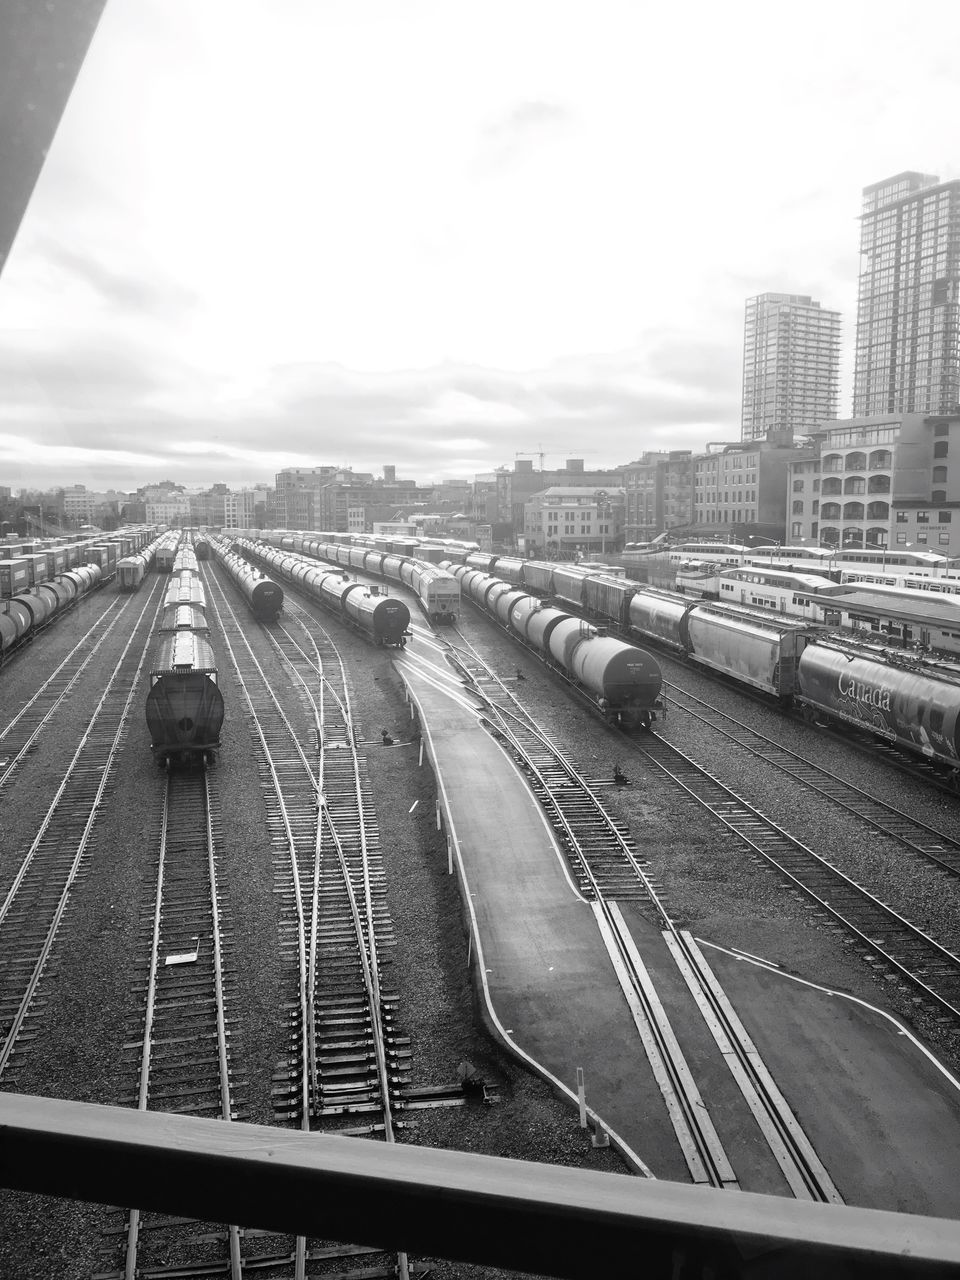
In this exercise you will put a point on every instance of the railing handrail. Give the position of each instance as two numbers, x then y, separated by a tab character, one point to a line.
550	1219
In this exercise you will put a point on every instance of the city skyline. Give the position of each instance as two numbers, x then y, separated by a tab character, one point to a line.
279	235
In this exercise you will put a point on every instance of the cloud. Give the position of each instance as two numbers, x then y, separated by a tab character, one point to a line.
126	290
524	128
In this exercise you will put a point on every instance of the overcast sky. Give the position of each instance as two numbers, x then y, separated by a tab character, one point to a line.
434	233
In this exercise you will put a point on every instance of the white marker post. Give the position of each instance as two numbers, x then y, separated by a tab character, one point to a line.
581	1094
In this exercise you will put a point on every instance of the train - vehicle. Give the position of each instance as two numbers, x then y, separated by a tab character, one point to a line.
622	681
201	546
756	587
892	697
184	704
165	558
133	567
264	596
381	618
437	590
185	589
23	615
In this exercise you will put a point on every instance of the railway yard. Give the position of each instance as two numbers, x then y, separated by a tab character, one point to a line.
186	939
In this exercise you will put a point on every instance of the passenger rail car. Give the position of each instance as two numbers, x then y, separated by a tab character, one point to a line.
263	595
620	680
380	618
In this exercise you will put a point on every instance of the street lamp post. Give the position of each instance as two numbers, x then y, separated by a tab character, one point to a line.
601	497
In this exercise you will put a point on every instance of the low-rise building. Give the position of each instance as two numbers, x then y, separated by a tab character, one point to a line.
566	522
891	480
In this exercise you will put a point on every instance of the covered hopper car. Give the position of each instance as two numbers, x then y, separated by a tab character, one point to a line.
184	705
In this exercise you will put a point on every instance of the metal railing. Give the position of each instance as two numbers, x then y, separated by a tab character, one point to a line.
549	1219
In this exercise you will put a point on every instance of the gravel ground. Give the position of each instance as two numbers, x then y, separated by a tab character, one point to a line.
708	880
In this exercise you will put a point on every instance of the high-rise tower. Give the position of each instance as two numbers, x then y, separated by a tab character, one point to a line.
908	335
791	365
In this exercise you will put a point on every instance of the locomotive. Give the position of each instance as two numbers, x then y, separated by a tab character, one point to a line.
382	619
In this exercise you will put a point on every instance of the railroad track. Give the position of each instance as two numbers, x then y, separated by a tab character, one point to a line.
929	844
883	935
19	737
179	1055
345	1058
38	895
607	869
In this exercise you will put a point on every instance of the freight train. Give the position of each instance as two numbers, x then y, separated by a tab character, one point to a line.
437	590
184	708
902	697
132	569
23	615
380	618
621	681
264	596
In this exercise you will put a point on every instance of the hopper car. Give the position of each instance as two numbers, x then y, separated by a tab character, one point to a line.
184	704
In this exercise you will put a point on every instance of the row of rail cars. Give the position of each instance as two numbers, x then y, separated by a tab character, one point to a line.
381	618
184	708
132	569
622	681
24	615
905	698
437	590
25	565
264	596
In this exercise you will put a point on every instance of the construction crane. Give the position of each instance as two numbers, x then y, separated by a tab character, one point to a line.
541	454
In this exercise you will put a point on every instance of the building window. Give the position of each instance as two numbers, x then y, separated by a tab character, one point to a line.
939	475
944	539
922	536
923	517
940	449
798	486
902	517
901	539
945	517
796	529
938	495
798	508
941	429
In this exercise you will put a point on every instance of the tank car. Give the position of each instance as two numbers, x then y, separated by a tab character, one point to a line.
383	619
184	705
914	705
264	596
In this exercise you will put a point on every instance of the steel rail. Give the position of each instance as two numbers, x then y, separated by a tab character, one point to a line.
926	842
775	846
191	855
70	818
40	708
804	1172
365	925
